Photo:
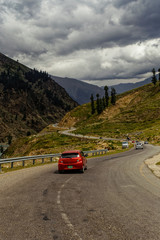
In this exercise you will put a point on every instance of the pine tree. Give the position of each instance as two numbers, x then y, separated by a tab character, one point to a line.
159	76
92	104
98	104
9	139
104	103
113	96
154	79
106	95
1	149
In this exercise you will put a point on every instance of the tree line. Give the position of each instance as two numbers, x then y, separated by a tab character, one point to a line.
154	77
102	103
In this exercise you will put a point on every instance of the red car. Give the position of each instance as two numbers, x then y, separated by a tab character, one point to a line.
72	160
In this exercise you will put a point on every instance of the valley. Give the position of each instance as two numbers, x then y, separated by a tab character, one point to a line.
31	102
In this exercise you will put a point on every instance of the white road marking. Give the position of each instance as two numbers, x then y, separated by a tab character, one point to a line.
63	214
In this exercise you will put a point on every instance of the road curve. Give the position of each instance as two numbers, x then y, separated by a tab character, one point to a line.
69	132
116	198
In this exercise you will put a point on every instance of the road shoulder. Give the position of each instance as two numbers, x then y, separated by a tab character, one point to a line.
152	165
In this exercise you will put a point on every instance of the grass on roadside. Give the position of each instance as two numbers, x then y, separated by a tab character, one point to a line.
50	142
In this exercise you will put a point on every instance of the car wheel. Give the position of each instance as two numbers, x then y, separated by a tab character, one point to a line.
60	171
86	167
82	170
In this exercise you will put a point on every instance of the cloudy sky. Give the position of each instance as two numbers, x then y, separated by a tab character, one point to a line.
101	41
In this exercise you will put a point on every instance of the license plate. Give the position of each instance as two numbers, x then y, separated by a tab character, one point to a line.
70	166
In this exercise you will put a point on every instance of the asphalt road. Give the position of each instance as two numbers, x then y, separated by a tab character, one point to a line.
117	198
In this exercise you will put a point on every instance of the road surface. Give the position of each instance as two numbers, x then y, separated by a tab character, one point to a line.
118	198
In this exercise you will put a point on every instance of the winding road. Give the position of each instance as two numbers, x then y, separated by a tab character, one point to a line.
118	198
70	132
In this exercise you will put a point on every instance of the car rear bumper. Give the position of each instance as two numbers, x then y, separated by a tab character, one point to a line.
74	166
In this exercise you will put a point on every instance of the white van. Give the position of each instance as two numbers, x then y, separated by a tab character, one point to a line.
125	145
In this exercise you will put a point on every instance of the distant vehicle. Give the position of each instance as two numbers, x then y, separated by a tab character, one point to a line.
125	145
145	142
72	160
139	145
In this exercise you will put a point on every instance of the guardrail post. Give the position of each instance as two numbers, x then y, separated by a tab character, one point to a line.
51	159
0	168
33	161
11	164
23	163
42	160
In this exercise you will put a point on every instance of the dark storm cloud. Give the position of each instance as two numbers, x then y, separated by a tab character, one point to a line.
122	3
144	16
106	38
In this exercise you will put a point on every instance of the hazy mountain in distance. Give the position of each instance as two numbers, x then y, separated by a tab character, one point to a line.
124	87
78	90
81	91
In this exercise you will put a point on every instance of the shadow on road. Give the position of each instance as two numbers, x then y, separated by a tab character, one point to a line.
68	172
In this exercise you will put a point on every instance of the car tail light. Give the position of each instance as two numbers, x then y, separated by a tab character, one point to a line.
61	161
79	160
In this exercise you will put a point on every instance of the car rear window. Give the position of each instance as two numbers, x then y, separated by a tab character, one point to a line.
70	155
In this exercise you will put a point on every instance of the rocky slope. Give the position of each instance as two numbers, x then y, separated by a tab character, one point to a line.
29	100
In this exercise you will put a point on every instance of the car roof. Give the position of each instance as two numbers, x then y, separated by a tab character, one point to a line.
73	151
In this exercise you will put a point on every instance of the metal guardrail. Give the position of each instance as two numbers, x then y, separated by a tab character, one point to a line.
43	157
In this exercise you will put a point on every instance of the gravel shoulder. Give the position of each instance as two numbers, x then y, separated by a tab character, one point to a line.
151	163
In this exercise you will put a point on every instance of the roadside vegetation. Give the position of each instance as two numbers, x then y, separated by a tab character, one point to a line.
51	141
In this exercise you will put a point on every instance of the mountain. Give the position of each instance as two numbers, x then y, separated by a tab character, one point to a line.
78	90
29	100
124	87
136	114
81	91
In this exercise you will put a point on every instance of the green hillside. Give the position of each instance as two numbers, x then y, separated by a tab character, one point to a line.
136	114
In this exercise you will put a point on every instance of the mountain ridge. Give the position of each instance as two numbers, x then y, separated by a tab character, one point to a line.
78	90
81	91
124	87
29	100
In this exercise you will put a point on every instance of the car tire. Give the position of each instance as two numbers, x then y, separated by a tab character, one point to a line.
82	170
60	171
